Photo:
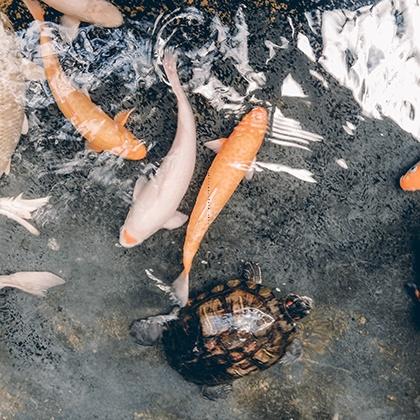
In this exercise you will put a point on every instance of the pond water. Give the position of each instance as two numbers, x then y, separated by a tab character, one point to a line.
323	215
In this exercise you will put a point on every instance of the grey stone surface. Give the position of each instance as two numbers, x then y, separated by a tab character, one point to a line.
347	241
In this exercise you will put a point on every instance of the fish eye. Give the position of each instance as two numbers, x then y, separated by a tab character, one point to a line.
413	169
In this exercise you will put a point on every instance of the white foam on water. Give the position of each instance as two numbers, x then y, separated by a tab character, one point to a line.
292	88
349	128
304	45
290	21
301	174
319	77
342	163
314	19
272	47
374	51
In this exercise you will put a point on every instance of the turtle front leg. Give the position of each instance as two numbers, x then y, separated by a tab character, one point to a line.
216	392
148	331
252	272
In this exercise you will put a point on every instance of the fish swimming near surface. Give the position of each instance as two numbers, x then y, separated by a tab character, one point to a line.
101	131
33	282
234	161
411	180
12	95
156	201
99	12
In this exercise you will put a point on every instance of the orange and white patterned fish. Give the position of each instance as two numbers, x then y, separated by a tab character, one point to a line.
234	160
101	131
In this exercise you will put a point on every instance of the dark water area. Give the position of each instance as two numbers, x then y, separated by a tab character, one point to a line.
350	240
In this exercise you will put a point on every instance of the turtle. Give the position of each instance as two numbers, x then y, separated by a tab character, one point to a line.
226	332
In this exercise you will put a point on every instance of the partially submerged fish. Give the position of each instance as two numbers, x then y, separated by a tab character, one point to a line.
155	202
20	210
12	95
33	282
101	131
99	12
234	161
411	180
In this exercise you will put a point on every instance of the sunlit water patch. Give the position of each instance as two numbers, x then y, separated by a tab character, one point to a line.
374	51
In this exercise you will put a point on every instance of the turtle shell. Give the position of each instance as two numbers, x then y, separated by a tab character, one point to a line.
234	329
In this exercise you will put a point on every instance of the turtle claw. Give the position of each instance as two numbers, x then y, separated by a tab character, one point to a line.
148	331
293	353
216	392
252	272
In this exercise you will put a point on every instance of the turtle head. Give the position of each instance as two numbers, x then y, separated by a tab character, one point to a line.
298	306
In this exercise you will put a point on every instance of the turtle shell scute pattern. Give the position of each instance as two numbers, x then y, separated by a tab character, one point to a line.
234	329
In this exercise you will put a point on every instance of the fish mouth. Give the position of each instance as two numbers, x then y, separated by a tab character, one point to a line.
127	240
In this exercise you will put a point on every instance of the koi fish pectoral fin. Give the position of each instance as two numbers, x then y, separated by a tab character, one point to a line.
25	125
8	167
215	145
176	221
251	171
122	117
69	27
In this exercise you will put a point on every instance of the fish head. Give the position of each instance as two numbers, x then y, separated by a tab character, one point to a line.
411	180
128	239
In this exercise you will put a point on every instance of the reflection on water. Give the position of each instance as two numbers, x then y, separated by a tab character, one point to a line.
374	51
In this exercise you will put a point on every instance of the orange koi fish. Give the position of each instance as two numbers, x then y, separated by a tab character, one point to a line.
101	131
234	160
411	180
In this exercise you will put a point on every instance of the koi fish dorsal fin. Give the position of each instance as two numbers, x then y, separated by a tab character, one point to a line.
70	26
35	9
215	145
176	221
122	117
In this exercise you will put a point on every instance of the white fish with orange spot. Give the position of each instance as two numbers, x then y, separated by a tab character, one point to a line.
156	201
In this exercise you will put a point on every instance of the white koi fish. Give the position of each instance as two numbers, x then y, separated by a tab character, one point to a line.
99	12
33	282
155	201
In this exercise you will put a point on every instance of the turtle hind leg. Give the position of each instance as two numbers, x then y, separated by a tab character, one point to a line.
148	331
252	272
293	353
216	392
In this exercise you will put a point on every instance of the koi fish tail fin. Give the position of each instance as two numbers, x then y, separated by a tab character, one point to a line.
35	283
20	210
169	65
181	288
35	9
